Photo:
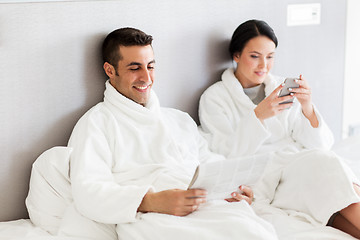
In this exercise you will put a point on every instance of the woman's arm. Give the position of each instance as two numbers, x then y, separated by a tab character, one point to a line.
308	127
303	95
231	130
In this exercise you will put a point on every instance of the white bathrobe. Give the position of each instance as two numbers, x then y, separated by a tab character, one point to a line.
121	150
229	123
300	179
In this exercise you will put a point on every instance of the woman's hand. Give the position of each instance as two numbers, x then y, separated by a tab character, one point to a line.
271	106
303	95
246	193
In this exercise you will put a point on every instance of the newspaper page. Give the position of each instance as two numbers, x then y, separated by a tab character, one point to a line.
221	178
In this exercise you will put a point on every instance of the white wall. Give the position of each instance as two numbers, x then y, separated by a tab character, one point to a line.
351	112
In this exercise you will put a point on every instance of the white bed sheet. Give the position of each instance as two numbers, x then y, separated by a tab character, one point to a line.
20	228
23	229
288	227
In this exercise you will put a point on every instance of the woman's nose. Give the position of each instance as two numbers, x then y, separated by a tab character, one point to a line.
262	63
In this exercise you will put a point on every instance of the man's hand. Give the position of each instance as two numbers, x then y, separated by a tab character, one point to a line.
246	193
174	202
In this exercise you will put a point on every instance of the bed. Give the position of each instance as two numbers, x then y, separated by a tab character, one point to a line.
50	194
50	74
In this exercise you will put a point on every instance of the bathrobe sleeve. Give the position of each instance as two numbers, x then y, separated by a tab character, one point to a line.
96	193
230	130
308	136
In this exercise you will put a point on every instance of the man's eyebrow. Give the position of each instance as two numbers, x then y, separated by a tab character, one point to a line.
133	64
138	64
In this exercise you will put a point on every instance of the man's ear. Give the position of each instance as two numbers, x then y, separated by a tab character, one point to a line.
109	69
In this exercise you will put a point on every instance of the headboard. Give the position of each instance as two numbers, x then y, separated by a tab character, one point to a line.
51	71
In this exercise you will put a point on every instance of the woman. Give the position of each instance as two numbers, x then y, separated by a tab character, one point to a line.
243	115
246	118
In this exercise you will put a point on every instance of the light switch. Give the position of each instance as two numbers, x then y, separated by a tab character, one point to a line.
303	14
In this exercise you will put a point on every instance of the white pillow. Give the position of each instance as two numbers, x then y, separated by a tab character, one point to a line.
49	190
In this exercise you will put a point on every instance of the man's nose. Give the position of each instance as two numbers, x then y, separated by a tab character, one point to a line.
146	76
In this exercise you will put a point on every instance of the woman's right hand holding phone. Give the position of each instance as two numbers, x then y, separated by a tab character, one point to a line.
271	106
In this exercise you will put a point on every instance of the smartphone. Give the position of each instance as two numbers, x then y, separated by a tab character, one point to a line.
289	83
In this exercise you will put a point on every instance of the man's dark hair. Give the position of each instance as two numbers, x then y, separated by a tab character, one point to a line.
247	31
122	37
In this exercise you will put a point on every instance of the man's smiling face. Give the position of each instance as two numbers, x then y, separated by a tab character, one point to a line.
134	73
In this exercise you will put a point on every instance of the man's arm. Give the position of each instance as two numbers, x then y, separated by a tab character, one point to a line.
174	202
97	195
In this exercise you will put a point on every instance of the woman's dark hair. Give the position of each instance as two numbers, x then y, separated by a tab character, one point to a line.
248	30
122	37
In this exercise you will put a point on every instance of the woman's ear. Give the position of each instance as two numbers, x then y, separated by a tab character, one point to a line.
109	69
236	57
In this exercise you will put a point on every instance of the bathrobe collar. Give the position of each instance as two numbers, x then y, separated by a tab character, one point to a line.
129	107
236	90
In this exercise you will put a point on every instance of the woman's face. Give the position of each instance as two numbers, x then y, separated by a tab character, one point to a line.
255	61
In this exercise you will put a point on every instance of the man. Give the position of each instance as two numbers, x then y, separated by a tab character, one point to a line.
133	160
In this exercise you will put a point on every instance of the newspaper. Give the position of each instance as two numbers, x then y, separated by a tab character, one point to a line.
221	178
